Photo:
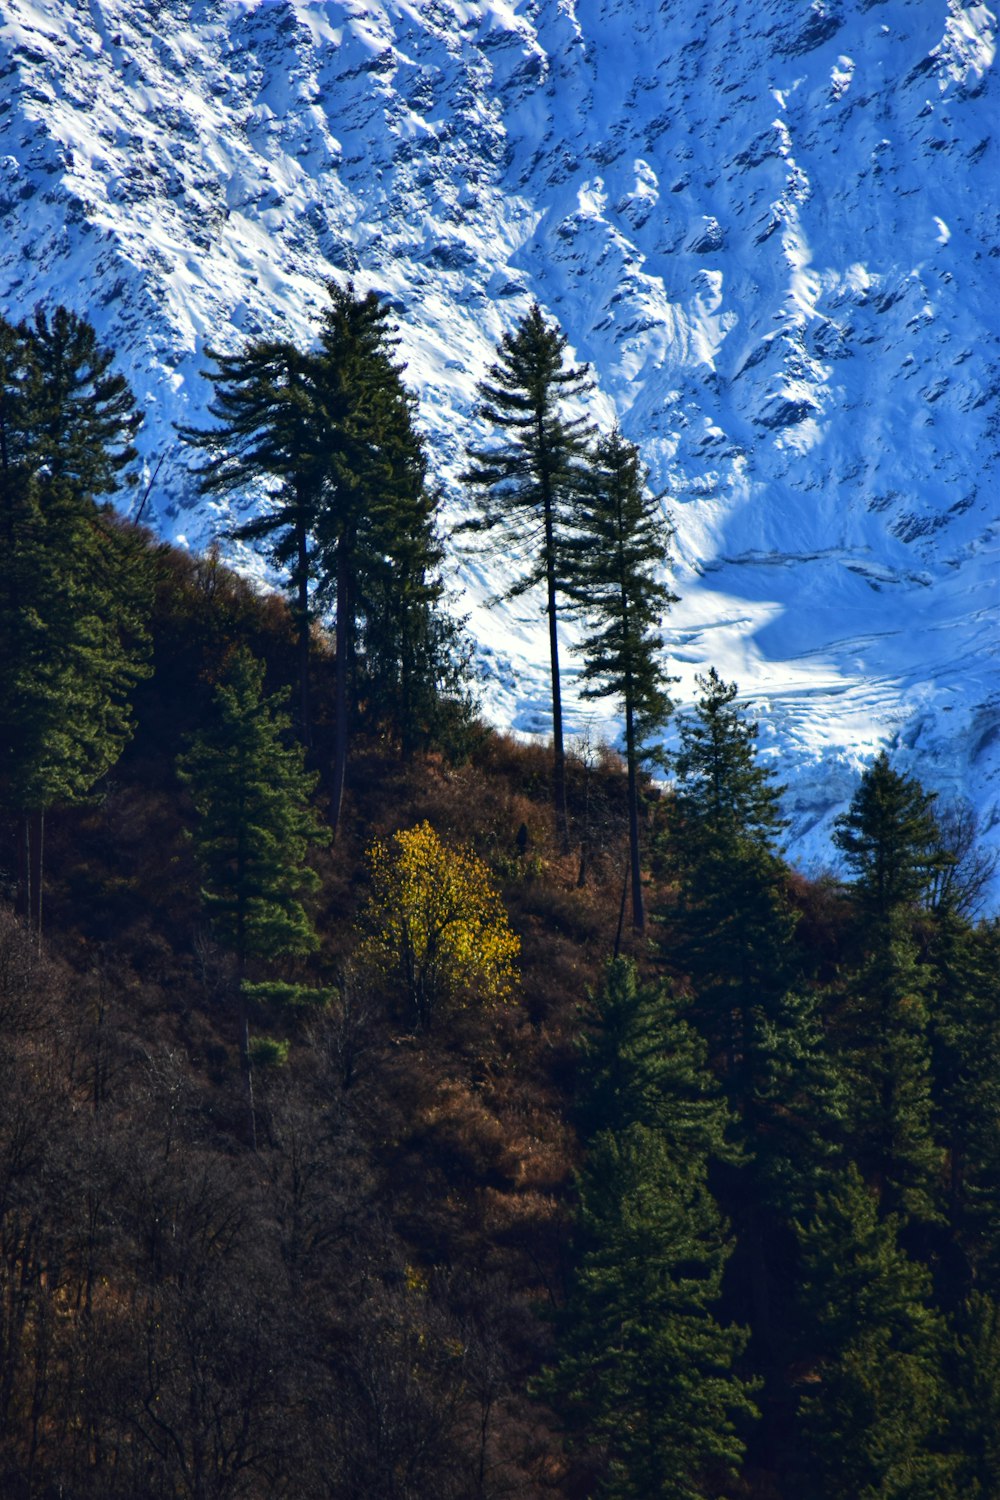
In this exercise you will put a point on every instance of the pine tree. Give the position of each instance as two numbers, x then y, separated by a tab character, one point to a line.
622	539
644	1369
526	481
351	517
74	589
731	933
255	827
965	1043
873	1422
84	418
642	1063
733	926
972	1373
889	839
265	431
376	527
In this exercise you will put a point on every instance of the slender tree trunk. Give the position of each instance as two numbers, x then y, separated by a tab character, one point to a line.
30	868
302	612
558	752
242	1014
23	903
36	871
621	914
638	906
340	689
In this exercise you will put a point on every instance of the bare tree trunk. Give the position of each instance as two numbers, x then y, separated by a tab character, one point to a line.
302	610
340	690
638	908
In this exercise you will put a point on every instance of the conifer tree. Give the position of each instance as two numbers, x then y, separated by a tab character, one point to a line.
731	933
264	431
332	432
73	585
527	480
972	1374
255	827
889	839
622	539
644	1369
733	926
378	551
873	1423
965	1072
642	1063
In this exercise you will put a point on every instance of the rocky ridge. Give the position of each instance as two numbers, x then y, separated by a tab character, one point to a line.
773	228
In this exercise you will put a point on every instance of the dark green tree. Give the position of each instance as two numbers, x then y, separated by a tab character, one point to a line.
890	842
731	933
255	826
972	1373
731	930
74	588
264	432
331	432
84	418
644	1370
873	1423
525	482
965	1071
378	550
622	539
642	1063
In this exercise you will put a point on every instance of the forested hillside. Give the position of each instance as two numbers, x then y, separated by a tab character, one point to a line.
388	1108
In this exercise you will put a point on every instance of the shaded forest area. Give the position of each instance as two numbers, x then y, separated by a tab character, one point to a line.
352	1140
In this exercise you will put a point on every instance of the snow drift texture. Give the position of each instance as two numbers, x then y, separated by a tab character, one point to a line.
772	227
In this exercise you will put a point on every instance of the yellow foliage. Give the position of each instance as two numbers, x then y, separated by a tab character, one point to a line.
436	923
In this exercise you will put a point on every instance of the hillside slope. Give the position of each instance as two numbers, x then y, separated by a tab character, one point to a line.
773	228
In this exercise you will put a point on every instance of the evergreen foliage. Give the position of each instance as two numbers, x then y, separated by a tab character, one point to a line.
733	928
622	539
526	482
644	1368
265	432
255	827
890	841
972	1371
331	432
74	585
874	1427
642	1063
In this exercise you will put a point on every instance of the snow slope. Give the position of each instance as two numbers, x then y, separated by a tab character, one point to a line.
772	226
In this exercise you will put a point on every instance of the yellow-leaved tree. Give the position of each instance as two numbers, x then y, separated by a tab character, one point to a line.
435	923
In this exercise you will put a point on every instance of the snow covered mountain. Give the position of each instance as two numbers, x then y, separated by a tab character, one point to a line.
773	227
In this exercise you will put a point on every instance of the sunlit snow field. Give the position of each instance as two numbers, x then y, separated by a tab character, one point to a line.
773	228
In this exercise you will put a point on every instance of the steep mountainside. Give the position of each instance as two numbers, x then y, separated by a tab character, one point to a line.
773	227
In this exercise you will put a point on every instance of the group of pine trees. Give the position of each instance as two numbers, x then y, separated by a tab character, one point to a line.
832	1137
782	1276
575	507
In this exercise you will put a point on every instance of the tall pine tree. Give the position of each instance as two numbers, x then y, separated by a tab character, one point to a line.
644	1369
889	840
873	1421
73	587
254	829
332	431
621	542
527	479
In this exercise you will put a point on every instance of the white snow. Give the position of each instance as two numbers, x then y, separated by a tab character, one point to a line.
796	316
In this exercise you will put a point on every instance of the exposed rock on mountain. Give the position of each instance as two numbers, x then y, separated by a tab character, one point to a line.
774	229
